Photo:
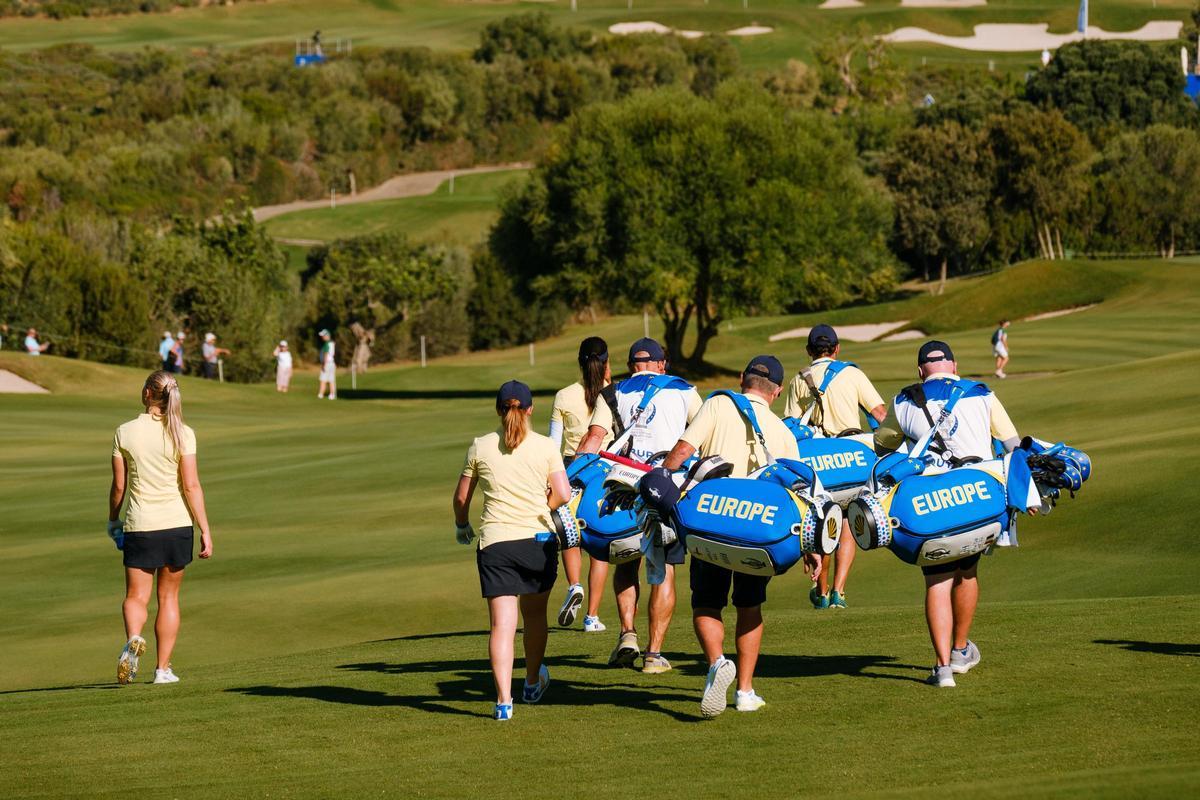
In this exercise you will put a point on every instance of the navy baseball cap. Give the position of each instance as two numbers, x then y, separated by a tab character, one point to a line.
653	350
593	347
933	351
822	336
514	390
765	367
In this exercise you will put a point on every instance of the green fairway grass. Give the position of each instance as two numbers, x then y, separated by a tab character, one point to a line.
459	218
451	25
334	646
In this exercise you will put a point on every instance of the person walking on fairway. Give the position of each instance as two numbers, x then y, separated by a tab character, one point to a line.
523	480
1000	348
283	366
164	351
840	390
649	428
328	377
573	408
154	477
952	590
721	430
212	354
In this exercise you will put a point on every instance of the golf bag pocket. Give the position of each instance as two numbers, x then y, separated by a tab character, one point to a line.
605	524
842	464
933	519
758	527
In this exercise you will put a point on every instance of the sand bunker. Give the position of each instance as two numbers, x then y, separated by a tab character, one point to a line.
828	4
850	333
1013	38
1060	313
903	336
942	3
15	384
648	26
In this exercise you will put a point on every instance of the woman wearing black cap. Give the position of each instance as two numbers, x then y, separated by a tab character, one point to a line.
573	407
518	552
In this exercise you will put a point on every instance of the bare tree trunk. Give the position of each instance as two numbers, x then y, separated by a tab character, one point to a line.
1041	241
362	350
1058	237
1171	246
942	278
1049	240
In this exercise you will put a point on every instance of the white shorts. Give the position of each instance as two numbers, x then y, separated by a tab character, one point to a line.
328	373
1000	351
283	376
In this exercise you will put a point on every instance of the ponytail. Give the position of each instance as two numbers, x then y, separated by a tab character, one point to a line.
162	392
593	369
516	424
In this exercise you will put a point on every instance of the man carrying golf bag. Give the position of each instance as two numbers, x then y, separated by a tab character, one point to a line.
722	429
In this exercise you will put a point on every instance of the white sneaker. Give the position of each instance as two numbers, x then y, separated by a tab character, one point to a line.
721	675
165	676
127	663
961	661
593	625
570	607
941	676
749	701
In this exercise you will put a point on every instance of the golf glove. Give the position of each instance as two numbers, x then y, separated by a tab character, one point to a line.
116	532
464	534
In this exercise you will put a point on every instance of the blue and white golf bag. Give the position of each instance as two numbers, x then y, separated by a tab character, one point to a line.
927	514
601	516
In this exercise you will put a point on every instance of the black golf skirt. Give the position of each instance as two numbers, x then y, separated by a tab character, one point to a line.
153	549
525	566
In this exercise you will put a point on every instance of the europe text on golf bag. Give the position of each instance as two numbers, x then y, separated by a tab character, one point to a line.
761	525
601	521
843	463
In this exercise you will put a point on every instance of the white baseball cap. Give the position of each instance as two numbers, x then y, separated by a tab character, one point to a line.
283	342
210	337
179	335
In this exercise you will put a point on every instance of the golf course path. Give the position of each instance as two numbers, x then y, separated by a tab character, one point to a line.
413	184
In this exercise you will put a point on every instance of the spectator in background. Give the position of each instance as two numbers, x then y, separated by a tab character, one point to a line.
328	366
211	354
1000	348
283	366
3	333
32	346
164	350
174	362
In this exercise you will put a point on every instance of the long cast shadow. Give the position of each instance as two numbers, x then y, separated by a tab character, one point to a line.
775	665
1161	648
419	636
357	697
62	688
429	394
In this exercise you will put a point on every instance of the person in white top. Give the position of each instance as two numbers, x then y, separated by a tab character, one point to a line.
283	366
212	354
155	480
1000	347
648	431
32	346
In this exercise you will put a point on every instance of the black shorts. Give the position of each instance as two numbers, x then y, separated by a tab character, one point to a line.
526	566
710	587
952	566
210	370
153	549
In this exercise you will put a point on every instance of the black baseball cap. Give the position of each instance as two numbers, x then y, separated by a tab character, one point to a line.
514	390
593	347
765	367
933	351
822	336
653	350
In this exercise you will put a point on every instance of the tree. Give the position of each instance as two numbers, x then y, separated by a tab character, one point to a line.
378	281
1144	189
1105	85
941	179
700	209
1041	170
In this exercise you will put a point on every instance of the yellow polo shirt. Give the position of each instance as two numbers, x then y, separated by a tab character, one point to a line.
571	411
514	484
720	430
154	491
848	392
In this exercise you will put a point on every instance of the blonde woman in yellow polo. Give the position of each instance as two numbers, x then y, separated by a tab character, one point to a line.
523	480
569	420
156	481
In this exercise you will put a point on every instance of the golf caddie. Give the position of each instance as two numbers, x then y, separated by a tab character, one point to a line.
720	429
836	391
523	480
964	434
653	409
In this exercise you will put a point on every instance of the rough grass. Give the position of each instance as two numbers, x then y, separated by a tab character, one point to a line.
455	25
334	644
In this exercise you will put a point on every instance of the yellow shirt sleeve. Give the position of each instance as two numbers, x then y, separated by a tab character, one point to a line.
1002	427
556	413
602	416
189	442
471	466
694	405
554	461
797	392
700	430
868	397
116	451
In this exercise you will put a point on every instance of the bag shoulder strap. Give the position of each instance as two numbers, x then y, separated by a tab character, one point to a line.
960	389
746	409
832	371
609	395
